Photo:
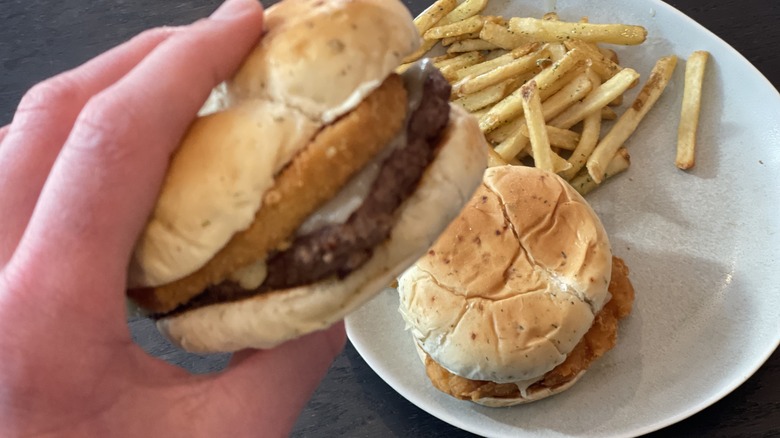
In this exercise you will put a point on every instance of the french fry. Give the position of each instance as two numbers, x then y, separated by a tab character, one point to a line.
501	36
549	78
467	9
557	51
434	14
598	98
425	47
584	184
537	132
617	101
496	62
469	25
452	40
470	45
610	54
494	159
440	61
505	131
487	96
551	31
608	113
567	96
516	67
561	81
591	130
557	70
628	122
515	143
559	138
691	106
450	66
457	60
551	16
599	63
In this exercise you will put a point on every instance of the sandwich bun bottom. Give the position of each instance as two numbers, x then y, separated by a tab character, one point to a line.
266	320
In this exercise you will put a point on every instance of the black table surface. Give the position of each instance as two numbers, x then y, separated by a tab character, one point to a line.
41	38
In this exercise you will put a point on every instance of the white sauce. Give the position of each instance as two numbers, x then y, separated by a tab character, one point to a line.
252	276
352	195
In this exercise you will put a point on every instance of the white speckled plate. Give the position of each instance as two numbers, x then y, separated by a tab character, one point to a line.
703	248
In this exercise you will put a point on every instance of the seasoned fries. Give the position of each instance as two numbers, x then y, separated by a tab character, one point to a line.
469	25
600	97
584	184
543	88
691	106
509	70
552	30
559	138
544	157
434	14
501	36
627	123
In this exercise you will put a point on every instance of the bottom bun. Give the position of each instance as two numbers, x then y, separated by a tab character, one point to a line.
530	394
269	319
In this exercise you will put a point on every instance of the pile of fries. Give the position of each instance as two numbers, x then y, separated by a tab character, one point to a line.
541	88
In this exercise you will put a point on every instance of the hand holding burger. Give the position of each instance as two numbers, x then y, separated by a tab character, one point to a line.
81	165
322	178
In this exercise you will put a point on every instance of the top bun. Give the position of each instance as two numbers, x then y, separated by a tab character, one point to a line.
512	286
324	57
317	61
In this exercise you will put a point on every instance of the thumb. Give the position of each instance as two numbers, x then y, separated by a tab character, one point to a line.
273	386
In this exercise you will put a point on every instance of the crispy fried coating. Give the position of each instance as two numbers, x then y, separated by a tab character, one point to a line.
313	177
598	340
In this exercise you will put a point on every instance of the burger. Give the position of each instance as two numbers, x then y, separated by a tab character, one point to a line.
321	176
519	295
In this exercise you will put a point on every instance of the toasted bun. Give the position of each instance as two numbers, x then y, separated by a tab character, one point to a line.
317	61
514	283
323	57
269	319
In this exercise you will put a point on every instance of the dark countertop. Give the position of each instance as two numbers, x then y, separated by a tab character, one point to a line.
39	39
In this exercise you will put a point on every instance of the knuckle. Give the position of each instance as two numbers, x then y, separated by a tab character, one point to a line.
103	129
50	95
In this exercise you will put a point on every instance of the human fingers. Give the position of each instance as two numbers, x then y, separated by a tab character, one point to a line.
106	178
42	122
3	132
273	386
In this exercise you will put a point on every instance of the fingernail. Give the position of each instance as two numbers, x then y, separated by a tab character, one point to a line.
234	8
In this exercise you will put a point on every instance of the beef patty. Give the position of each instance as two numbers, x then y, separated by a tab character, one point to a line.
339	249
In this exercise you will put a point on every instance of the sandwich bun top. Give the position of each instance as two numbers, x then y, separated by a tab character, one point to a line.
324	57
514	283
317	61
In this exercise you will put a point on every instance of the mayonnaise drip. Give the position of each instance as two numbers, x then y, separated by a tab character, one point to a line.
338	209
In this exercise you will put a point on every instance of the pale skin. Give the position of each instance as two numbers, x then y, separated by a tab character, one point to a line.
80	167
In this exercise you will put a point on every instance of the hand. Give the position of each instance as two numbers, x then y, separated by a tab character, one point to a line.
80	167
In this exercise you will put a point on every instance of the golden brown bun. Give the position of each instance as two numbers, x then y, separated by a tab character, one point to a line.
312	178
323	57
514	283
269	319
